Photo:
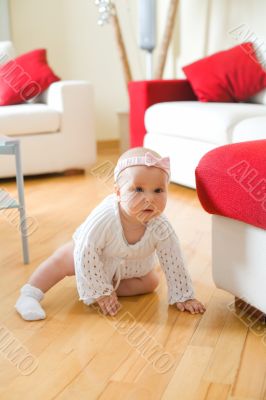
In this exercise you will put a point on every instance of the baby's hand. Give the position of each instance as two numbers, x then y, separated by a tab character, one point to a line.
109	304
192	305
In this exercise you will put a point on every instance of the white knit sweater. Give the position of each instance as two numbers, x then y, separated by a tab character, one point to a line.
102	252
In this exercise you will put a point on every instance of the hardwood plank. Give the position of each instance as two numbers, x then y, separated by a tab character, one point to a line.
240	398
226	357
188	374
251	382
211	326
125	390
213	391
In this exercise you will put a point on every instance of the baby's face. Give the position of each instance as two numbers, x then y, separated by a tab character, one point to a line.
143	192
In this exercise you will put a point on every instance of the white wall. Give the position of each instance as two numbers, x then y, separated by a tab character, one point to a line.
4	20
79	49
207	26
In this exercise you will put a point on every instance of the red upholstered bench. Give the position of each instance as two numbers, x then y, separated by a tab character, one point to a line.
231	185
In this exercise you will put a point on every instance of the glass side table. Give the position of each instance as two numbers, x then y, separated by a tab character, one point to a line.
12	147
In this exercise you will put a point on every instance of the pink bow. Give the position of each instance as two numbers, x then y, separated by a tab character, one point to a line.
151	160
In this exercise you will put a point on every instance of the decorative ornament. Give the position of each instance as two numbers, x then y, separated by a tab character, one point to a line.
108	13
106	9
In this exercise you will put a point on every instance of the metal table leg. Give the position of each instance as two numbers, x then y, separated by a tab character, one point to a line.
23	219
11	146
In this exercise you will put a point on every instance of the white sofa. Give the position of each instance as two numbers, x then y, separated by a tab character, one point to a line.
166	117
56	133
186	130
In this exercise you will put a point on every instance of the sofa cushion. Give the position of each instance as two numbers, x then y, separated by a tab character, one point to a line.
211	122
227	76
25	77
25	119
250	129
231	182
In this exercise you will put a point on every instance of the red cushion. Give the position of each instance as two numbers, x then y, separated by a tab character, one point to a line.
227	76
231	181
25	77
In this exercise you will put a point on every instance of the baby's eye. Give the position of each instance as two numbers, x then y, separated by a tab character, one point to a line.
158	190
138	189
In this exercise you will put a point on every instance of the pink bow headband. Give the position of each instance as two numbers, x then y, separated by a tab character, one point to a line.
148	159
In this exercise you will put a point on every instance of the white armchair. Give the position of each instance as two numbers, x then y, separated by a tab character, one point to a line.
56	132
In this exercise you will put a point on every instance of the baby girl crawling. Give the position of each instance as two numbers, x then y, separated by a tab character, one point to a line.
113	252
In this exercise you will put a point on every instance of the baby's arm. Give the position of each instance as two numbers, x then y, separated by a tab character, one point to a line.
92	283
180	289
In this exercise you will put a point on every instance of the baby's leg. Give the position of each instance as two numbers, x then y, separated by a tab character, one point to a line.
135	286
59	265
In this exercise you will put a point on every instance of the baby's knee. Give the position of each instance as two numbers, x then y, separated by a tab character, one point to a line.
153	281
64	260
59	256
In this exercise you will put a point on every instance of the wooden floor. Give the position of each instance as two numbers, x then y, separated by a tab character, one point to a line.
149	350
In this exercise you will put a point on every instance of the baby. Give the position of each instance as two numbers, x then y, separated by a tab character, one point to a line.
113	252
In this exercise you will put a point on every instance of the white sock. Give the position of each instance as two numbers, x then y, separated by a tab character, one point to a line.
28	305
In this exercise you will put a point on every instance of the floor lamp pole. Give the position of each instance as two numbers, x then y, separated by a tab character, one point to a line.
147	31
149	65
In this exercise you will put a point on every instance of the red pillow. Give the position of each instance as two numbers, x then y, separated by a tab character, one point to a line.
227	76
25	77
